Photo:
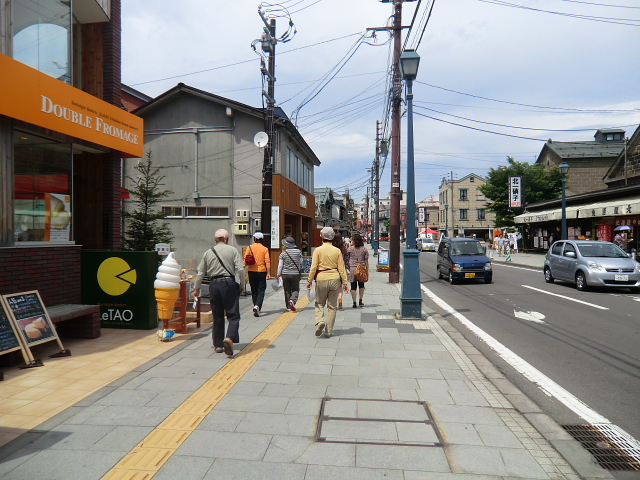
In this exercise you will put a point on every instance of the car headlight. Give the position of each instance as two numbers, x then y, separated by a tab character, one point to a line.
595	266
487	266
457	267
637	267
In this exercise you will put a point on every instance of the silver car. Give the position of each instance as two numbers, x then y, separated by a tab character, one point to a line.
426	244
591	264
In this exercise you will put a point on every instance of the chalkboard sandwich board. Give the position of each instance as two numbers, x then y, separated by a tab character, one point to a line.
10	340
33	321
306	265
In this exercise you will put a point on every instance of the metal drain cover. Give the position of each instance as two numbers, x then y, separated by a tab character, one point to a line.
612	448
377	422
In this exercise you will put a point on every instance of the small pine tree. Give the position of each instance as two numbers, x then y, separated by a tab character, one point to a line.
144	230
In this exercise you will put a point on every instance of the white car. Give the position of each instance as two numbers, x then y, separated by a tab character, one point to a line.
426	244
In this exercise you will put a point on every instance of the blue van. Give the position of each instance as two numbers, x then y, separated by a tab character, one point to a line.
462	259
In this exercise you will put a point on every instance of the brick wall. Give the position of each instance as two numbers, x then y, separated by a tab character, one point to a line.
53	271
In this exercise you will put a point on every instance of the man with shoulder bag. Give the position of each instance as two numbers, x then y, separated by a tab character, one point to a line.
224	266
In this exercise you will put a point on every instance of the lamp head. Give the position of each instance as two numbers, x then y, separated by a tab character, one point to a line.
409	61
564	168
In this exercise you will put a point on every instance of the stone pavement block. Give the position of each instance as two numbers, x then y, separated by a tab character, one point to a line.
265	366
360	353
454	374
379	346
434	363
184	468
341	408
222	421
388	382
489	460
286	357
355	370
168	399
316	351
248	388
231	470
171	384
417	373
370	393
326	454
345	430
175	371
391	410
435	397
286	448
303	368
272	377
388	363
128	397
15	460
459	434
464	414
411	475
70	437
321	359
294	391
426	459
461	386
498	436
416	433
278	424
121	439
259	404
327	380
432	384
65	465
129	416
402	394
239	446
303	406
346	361
85	414
468	398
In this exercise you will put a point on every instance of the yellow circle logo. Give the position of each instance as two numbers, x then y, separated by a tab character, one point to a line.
115	276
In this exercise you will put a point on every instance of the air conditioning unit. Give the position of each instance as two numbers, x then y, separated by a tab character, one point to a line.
242	215
241	229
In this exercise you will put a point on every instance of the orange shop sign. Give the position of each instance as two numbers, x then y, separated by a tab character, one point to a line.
32	96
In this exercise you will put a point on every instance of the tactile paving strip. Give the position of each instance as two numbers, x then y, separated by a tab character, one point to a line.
146	459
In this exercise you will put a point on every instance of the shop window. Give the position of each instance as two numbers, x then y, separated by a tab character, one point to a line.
464	214
42	209
172	211
206	211
42	36
217	211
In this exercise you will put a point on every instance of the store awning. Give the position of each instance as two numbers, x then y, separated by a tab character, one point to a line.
611	208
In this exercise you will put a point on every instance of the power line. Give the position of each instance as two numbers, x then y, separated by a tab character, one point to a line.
599	4
525	104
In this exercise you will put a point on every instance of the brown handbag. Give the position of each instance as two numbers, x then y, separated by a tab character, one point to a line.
361	273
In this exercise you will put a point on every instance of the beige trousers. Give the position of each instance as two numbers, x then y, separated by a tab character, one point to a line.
327	292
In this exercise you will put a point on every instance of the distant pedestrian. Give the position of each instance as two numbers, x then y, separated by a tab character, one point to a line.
339	243
289	267
327	268
223	265
258	270
500	245
356	254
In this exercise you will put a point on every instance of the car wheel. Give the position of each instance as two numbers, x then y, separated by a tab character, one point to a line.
440	276
451	279
488	279
547	275
581	282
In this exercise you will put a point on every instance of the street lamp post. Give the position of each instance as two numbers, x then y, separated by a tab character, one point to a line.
411	298
564	169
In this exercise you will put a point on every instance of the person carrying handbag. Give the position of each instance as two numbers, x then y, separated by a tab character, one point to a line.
358	260
289	267
258	262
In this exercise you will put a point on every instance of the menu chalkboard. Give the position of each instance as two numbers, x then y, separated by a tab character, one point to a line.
8	338
306	265
31	317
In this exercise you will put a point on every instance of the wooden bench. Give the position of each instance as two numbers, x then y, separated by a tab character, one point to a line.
76	320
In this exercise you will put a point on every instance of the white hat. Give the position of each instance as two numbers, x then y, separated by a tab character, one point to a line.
327	233
258	235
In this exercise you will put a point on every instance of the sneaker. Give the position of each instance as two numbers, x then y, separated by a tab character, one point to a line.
219	349
256	311
354	305
227	344
328	335
319	329
292	306
361	304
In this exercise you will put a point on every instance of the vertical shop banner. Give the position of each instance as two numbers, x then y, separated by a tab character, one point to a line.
421	214
275	227
516	191
58	217
605	233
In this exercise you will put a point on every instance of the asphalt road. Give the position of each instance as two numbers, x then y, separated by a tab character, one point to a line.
594	353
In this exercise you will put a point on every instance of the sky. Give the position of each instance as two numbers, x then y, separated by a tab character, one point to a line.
485	64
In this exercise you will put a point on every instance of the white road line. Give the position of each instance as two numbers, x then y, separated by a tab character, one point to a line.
567	298
548	386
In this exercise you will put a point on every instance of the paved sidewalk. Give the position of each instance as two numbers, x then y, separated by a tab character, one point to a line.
531	260
384	398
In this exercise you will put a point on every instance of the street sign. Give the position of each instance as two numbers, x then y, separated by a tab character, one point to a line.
516	191
163	248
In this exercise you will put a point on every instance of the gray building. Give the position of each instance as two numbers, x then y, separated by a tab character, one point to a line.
204	145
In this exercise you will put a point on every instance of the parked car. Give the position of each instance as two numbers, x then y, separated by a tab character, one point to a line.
426	244
591	264
463	259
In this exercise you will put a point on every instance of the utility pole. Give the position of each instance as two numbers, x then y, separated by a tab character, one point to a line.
453	217
396	193
366	212
376	193
268	46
